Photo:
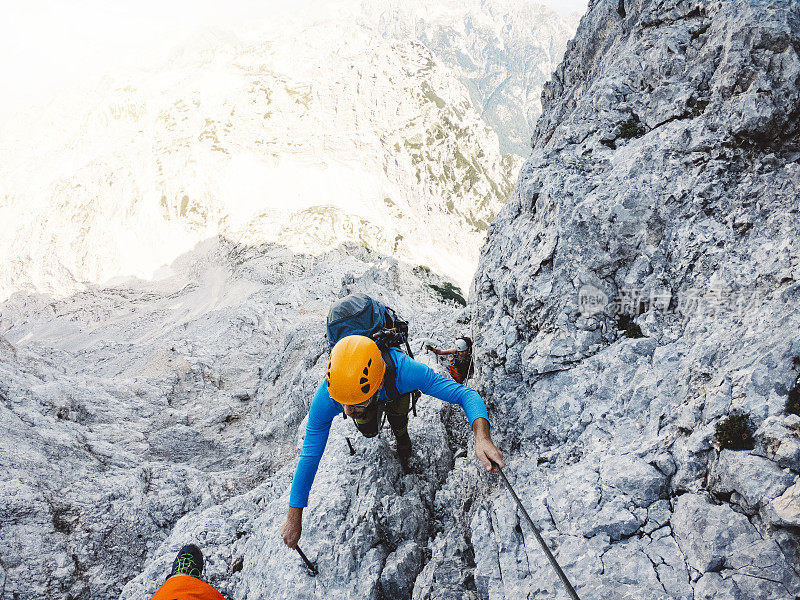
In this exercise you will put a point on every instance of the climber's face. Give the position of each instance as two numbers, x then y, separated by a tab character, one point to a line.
357	410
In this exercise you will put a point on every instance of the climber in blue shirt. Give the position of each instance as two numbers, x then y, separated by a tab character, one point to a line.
354	385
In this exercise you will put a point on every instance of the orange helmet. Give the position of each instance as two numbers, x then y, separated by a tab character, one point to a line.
355	370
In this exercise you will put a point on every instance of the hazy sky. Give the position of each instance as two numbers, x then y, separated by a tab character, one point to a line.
47	44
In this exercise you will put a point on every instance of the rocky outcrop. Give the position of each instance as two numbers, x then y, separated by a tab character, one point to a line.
642	284
142	416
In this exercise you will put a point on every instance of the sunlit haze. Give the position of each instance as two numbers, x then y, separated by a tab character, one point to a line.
46	45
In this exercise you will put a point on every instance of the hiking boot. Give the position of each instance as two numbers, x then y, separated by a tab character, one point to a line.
404	453
189	561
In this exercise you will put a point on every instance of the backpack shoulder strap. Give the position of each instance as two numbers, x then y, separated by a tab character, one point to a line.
390	381
390	375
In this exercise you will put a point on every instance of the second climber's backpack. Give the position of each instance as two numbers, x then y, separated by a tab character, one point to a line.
459	370
358	314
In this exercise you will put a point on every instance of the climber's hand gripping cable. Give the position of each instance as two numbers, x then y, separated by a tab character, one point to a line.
489	454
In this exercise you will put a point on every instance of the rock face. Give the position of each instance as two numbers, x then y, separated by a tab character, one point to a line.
641	284
150	414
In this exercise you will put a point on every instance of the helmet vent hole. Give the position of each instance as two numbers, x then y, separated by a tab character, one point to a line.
365	389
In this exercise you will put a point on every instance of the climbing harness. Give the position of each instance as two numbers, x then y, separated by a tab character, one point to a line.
550	557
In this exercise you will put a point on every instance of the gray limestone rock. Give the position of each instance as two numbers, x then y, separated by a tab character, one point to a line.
661	187
714	538
614	520
778	439
784	511
709	534
638	480
399	572
658	515
754	479
573	499
712	586
121	451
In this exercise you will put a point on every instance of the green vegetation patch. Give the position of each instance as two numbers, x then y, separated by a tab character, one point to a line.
461	161
431	96
735	432
449	293
478	224
300	97
238	565
632	128
422	270
700	31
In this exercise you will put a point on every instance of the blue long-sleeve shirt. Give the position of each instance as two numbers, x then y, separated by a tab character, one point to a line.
411	375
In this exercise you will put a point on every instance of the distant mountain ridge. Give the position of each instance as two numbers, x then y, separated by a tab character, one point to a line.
327	130
502	50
